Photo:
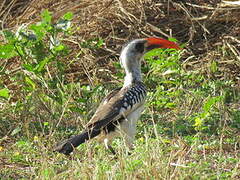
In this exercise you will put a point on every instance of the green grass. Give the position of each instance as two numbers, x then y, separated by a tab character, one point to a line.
153	158
189	129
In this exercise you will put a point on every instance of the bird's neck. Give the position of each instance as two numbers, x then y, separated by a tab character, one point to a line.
133	75
132	66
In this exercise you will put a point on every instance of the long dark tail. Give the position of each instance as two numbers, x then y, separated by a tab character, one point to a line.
68	145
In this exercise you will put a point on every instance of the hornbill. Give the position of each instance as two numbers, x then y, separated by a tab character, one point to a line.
120	109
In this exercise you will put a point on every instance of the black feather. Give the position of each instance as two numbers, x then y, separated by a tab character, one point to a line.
68	145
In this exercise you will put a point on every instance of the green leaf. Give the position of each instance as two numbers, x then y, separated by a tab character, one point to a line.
68	16
4	93
23	144
59	47
172	39
9	35
46	17
28	67
170	105
82	100
214	67
38	30
100	43
45	123
210	102
198	122
7	51
41	65
154	52
38	51
30	82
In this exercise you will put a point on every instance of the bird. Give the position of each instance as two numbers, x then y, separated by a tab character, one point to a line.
119	111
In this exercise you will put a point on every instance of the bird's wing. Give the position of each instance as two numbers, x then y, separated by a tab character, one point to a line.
117	104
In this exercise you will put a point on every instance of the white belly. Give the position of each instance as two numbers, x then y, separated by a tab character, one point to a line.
127	128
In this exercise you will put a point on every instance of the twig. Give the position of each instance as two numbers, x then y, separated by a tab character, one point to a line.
191	17
179	165
128	14
3	3
234	51
232	38
211	8
9	7
156	29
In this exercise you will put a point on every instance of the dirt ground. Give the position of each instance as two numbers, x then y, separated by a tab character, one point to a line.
203	26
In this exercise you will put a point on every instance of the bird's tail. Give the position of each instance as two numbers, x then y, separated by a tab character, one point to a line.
68	145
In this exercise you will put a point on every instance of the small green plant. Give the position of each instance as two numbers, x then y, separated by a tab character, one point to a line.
200	120
43	92
163	77
38	48
171	87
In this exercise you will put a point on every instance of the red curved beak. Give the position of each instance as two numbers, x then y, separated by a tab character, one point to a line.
154	42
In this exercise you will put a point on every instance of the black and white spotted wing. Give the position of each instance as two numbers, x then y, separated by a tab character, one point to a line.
117	105
135	96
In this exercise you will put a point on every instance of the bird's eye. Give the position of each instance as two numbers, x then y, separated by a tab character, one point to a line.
139	47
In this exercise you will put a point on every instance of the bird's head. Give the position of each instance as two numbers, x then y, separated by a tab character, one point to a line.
133	52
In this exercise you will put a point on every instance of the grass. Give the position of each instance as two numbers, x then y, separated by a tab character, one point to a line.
189	129
157	158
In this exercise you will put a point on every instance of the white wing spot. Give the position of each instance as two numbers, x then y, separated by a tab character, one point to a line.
133	100
105	102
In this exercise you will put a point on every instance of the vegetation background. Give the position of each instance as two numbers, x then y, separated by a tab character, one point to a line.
59	59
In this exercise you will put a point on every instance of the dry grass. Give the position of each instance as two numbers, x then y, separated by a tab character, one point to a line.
202	25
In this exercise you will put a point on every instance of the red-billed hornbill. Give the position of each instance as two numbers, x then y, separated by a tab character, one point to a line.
120	109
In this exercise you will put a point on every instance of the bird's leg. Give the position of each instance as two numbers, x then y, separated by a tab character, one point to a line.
109	147
128	132
112	150
129	141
